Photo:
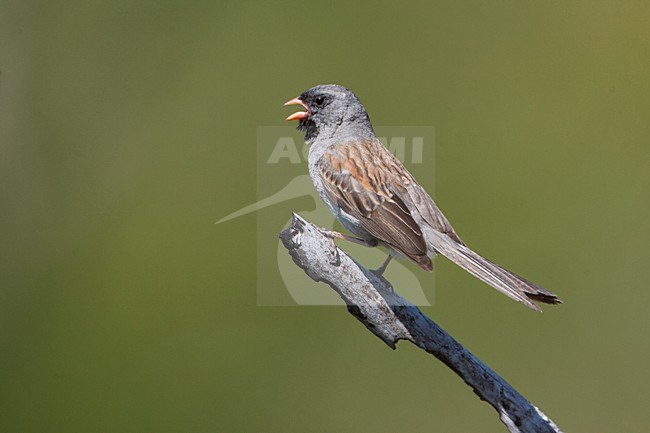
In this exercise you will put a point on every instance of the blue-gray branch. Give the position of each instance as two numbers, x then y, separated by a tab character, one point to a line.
392	318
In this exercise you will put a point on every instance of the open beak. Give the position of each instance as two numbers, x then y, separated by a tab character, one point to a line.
299	115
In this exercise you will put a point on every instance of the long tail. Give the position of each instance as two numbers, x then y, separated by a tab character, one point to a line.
506	282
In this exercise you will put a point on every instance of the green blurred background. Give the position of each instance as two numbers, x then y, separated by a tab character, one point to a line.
128	128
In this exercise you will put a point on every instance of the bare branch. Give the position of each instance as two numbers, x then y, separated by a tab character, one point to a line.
392	318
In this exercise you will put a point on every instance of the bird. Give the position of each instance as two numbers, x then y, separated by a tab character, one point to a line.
374	196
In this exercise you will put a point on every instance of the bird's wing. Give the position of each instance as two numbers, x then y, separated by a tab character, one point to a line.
354	178
399	182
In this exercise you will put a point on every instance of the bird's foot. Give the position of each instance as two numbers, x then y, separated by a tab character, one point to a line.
380	275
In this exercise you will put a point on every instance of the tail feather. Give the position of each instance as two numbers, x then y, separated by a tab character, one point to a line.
506	282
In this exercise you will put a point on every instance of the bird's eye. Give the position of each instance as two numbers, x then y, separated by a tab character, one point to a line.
319	101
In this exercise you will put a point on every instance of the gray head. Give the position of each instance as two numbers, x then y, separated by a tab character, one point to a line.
330	108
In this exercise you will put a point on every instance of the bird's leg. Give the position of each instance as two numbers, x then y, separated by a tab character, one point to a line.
336	235
380	270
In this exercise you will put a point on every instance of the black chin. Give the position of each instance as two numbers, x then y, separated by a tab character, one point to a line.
309	127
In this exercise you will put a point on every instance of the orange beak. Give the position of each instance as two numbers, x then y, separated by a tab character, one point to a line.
299	114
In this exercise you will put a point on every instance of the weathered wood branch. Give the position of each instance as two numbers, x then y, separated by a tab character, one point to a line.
392	318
